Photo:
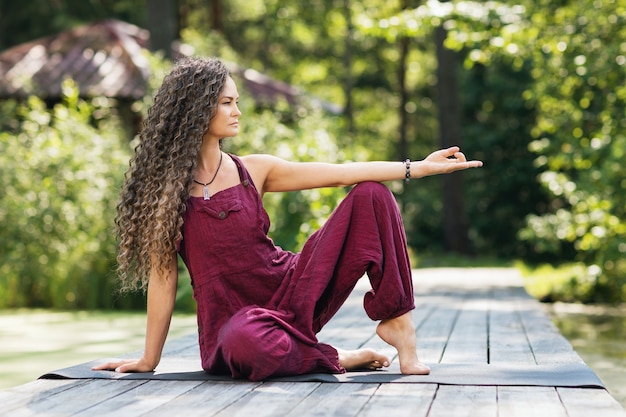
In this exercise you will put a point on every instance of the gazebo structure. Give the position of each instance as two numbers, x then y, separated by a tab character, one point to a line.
104	59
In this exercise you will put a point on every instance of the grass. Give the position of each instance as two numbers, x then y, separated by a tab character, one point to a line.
568	282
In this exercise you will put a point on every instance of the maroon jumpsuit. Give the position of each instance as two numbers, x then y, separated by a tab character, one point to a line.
259	306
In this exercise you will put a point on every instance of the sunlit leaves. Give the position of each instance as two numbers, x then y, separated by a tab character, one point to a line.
579	130
576	53
478	24
59	176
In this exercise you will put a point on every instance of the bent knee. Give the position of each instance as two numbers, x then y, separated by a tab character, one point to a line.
371	188
374	191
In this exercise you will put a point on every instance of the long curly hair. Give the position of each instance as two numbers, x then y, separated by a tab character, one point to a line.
156	189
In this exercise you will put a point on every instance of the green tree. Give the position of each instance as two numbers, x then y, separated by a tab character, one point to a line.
579	69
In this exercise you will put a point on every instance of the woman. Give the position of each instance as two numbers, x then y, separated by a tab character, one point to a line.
259	307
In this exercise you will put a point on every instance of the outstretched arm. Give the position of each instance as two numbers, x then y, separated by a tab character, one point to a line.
161	298
274	174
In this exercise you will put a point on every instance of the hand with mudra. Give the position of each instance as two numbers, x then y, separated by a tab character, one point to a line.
445	161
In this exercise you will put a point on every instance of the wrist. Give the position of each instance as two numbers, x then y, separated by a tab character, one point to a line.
150	361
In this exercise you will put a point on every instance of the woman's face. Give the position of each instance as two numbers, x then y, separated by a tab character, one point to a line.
225	121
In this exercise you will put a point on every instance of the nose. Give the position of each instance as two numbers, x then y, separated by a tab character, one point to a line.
236	111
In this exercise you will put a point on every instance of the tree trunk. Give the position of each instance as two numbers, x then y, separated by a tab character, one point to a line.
216	15
348	82
454	218
403	142
162	24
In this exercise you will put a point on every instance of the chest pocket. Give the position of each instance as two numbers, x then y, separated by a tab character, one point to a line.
227	227
223	210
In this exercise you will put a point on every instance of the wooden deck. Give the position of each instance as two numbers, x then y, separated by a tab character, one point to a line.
480	318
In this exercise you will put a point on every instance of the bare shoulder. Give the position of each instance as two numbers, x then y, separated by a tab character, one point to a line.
260	163
259	166
259	159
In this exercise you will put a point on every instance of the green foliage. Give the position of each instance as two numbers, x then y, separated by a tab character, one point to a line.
579	139
543	81
60	170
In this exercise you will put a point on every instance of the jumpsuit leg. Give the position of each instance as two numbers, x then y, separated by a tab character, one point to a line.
363	235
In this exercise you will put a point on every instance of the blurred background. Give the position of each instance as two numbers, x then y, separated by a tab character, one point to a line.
534	88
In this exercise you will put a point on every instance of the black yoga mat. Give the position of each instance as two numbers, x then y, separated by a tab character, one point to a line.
557	375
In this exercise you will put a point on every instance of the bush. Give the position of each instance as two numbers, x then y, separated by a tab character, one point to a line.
60	172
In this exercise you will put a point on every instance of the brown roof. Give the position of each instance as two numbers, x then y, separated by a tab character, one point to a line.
104	58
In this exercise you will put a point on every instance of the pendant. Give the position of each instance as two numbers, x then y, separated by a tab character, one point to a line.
205	192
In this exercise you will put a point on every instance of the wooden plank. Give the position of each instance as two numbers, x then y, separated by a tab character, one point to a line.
270	399
400	400
464	401
529	402
76	399
468	340
507	335
547	344
434	331
206	399
339	400
141	399
581	402
23	395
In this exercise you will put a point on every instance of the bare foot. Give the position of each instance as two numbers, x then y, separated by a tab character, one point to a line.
400	333
365	358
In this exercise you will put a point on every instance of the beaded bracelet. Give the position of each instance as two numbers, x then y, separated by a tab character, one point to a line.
407	175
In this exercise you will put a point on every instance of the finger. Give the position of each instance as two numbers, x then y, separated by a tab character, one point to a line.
109	366
460	156
136	366
123	368
460	166
446	153
470	164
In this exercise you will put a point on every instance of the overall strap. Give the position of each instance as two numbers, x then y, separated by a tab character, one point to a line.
244	175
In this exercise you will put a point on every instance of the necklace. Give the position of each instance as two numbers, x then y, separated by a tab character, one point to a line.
205	186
